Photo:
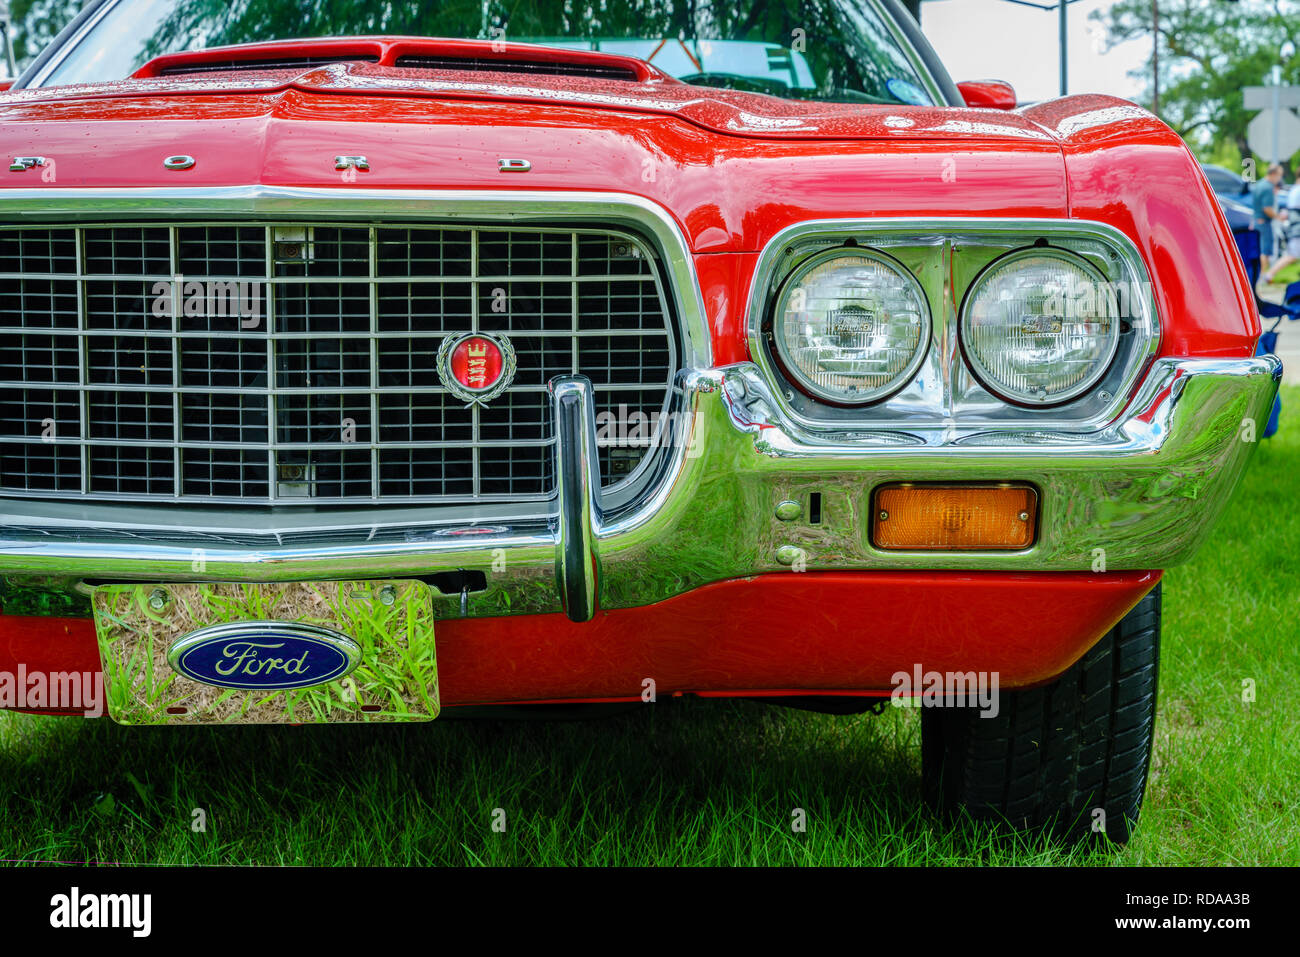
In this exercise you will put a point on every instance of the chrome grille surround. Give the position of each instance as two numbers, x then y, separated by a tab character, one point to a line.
373	255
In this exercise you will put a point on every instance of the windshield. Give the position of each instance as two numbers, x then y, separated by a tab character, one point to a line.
837	50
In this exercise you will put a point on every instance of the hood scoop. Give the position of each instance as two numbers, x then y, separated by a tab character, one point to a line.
476	56
601	71
287	63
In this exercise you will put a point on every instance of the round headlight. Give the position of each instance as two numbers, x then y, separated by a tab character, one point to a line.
851	326
1039	327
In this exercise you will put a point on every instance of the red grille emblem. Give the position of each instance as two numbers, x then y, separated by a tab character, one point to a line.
477	363
476	366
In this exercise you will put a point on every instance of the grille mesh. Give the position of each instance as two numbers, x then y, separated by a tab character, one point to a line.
295	363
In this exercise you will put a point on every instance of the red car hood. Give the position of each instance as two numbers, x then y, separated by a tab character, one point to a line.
722	111
732	167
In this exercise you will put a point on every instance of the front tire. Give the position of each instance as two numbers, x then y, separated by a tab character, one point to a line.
1054	755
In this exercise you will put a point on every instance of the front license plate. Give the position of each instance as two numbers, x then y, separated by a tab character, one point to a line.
283	653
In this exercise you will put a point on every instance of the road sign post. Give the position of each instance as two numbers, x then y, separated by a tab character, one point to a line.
1275	131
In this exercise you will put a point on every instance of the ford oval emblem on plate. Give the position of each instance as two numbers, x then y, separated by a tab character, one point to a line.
264	655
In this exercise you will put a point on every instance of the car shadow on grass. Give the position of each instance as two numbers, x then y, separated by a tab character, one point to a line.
685	781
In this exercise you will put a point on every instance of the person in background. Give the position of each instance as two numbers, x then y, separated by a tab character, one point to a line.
1264	207
1292	252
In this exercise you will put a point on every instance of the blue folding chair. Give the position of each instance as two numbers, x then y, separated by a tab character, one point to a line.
1248	247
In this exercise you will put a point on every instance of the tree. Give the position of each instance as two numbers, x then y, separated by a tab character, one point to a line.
1209	51
37	22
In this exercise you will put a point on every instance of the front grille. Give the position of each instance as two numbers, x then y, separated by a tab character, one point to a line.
295	363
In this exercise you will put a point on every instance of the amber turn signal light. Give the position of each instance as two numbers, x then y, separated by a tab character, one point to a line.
963	518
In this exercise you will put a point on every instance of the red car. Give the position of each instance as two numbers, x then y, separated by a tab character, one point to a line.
733	353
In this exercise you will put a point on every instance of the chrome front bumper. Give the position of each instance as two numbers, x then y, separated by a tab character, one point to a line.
1142	493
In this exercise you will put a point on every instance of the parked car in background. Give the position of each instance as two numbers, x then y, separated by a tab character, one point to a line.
1237	214
658	357
1226	183
1233	193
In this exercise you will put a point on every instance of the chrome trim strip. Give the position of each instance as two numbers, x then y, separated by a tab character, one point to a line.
1144	490
771	268
577	464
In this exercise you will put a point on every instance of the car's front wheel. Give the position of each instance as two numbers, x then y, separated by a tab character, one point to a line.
1070	757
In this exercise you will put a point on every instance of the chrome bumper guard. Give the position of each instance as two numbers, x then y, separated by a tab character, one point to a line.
577	466
1142	493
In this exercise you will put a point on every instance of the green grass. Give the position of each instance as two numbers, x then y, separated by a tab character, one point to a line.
1287	275
695	782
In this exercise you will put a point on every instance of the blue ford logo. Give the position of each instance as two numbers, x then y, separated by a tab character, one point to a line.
264	655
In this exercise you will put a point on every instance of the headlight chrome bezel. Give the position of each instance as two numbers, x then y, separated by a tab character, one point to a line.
945	400
787	363
980	370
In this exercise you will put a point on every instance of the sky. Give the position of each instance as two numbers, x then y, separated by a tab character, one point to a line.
994	39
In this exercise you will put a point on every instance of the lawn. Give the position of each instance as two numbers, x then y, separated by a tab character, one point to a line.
695	781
